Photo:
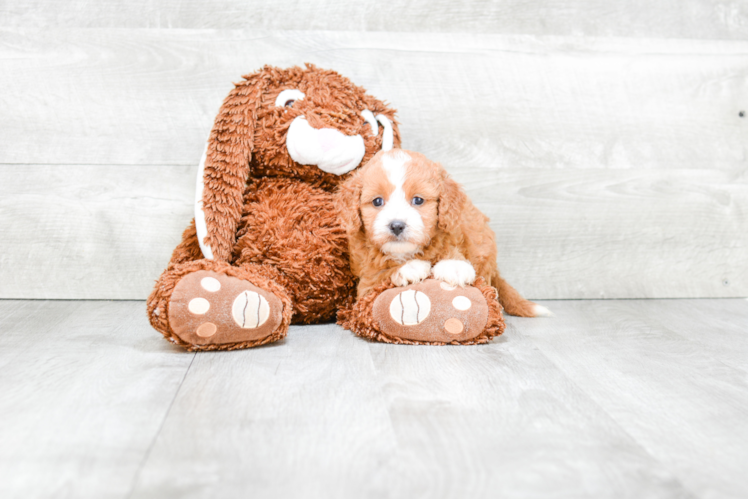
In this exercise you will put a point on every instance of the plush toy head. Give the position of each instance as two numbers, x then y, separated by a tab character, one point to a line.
305	123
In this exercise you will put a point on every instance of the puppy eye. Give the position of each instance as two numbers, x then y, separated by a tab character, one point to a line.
377	202
288	97
417	200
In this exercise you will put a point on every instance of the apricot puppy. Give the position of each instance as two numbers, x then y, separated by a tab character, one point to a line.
407	220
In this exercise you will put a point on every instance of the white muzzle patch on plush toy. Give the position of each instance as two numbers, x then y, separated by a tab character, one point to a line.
330	150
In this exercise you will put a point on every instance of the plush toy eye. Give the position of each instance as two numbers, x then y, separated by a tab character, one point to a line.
288	97
417	200
377	202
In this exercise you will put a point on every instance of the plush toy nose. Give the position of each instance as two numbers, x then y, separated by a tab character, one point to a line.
397	227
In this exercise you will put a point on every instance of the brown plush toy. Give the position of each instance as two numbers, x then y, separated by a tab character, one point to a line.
265	246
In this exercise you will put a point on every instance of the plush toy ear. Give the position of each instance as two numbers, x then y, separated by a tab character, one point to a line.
347	204
451	201
224	169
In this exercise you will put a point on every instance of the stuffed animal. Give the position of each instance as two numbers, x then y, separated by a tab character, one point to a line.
417	243
265	247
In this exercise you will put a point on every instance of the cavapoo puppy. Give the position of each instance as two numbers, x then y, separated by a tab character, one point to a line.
407	220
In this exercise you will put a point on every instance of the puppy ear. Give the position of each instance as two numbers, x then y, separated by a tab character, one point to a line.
225	167
451	201
348	205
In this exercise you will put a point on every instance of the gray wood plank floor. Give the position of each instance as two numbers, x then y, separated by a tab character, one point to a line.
608	398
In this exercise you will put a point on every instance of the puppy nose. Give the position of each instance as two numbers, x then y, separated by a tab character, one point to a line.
397	227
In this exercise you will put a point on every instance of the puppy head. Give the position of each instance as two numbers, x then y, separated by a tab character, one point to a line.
400	201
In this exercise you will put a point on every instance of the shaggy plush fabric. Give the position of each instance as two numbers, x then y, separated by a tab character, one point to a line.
278	250
271	220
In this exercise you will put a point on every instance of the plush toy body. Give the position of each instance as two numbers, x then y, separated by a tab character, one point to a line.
265	245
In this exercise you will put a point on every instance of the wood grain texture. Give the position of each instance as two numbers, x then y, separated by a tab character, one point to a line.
149	96
717	327
634	18
606	399
85	387
327	414
610	167
503	421
618	234
670	391
302	417
108	231
87	231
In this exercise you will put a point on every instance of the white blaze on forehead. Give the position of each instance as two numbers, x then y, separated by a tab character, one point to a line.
397	206
395	168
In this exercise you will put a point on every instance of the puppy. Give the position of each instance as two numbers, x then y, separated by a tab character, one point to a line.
407	220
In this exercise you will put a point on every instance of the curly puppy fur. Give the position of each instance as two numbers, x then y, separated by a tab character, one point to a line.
446	226
271	220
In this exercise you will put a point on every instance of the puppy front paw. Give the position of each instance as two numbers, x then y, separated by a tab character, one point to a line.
455	272
413	271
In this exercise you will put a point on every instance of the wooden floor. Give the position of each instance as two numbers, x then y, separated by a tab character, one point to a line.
607	398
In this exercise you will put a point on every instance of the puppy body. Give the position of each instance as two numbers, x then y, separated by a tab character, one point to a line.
406	219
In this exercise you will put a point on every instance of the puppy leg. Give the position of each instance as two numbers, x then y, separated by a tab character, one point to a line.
413	271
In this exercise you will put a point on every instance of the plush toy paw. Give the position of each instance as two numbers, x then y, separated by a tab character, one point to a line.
431	311
413	271
207	307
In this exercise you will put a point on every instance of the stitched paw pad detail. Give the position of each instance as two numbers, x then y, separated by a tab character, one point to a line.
431	311
250	309
211	308
410	307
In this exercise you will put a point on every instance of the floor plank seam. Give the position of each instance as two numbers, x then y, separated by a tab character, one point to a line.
147	454
620	426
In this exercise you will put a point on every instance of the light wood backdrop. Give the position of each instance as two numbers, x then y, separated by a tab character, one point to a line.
605	140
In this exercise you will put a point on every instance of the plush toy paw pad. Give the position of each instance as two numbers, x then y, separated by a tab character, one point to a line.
250	309
431	311
198	306
211	308
206	330
410	307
